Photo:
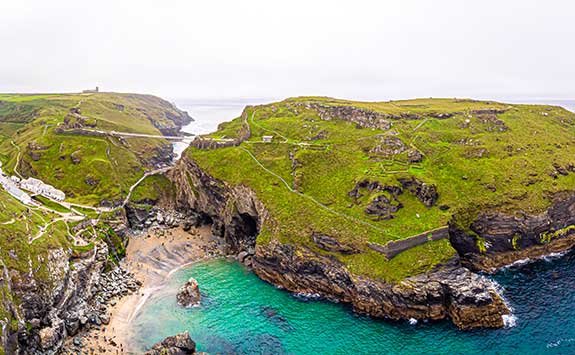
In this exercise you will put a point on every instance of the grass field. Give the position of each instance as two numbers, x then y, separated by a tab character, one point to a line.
88	169
478	160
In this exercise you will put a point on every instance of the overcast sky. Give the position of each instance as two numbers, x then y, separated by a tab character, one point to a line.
269	49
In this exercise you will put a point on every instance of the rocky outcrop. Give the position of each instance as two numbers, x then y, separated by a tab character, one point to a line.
236	215
468	299
148	215
361	117
180	344
72	294
331	244
493	239
426	193
189	294
388	147
244	133
414	156
381	206
75	119
235	212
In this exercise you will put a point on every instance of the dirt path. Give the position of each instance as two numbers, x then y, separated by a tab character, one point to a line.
154	172
17	159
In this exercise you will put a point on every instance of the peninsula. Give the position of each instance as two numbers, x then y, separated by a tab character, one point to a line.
391	207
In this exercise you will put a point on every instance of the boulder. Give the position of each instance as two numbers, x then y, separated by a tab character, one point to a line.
330	243
180	344
189	294
49	337
242	256
76	157
426	193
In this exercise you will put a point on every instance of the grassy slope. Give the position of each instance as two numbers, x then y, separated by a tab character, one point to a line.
17	223
33	118
512	173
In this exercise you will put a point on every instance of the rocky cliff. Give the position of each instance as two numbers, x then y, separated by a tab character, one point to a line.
468	299
72	293
234	212
494	239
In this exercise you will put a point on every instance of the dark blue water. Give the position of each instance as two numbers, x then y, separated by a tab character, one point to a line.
241	314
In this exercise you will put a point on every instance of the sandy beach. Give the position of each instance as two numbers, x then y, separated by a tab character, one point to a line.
152	257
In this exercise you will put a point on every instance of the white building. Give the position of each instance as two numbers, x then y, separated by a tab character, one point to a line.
268	139
13	190
20	195
39	187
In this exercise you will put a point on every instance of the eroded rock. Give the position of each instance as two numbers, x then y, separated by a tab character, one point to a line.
189	294
180	344
426	193
468	299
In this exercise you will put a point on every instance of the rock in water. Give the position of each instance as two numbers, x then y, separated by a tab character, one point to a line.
189	294
180	344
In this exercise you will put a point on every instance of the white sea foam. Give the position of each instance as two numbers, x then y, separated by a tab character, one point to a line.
307	296
412	321
521	262
509	320
554	256
556	343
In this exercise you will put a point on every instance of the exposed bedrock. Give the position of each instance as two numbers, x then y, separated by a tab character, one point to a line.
234	212
75	296
453	292
492	240
468	299
180	344
189	294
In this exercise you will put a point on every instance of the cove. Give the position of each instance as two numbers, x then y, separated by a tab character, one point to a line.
241	314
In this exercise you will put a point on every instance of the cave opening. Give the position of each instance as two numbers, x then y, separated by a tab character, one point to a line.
250	225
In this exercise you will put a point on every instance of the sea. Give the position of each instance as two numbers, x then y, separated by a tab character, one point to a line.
241	314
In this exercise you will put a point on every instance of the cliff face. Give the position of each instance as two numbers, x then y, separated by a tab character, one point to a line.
496	239
68	293
234	212
237	215
54	308
468	299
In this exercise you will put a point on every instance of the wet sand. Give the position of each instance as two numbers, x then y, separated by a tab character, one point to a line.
152	257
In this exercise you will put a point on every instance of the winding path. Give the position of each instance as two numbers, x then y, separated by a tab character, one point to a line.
9	222
351	218
17	159
153	172
266	129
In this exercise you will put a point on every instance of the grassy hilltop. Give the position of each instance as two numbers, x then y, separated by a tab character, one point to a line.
328	173
31	145
50	137
88	169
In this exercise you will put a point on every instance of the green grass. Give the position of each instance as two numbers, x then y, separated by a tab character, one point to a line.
474	165
107	166
90	213
88	169
55	206
152	188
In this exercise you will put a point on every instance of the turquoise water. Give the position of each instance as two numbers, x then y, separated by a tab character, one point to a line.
241	314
